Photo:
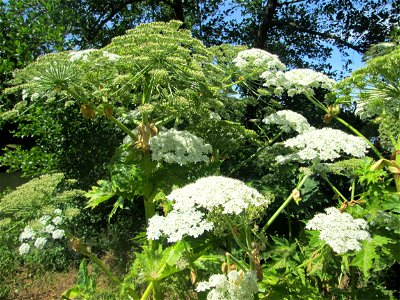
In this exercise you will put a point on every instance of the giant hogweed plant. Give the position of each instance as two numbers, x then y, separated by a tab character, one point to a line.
157	77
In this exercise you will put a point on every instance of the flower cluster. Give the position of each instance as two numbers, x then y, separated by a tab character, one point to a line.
210	194
304	81
177	224
258	58
297	81
217	192
324	144
339	230
288	120
236	285
181	147
47	227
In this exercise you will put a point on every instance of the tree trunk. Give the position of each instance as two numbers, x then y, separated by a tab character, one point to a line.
266	23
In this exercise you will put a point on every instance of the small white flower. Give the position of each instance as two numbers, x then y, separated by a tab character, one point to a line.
58	234
58	211
40	242
44	219
324	144
181	147
339	230
49	228
27	234
24	249
288	120
57	220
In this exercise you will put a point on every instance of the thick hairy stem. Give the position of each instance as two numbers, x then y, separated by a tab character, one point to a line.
148	186
148	291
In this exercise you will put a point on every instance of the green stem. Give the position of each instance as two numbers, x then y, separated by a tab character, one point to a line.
123	127
353	187
112	118
284	204
148	291
334	188
347	125
148	186
238	262
98	262
238	241
318	104
353	282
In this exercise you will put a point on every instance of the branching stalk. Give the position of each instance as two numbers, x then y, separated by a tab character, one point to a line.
284	204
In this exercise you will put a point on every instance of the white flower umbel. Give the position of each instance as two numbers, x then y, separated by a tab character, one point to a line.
57	220
237	285
27	234
40	242
44	219
297	81
230	195
178	224
181	147
49	228
339	230
323	145
303	81
58	234
288	120
24	248
258	58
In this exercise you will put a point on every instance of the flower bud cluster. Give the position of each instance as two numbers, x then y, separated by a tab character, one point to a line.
181	147
46	228
339	230
192	203
236	285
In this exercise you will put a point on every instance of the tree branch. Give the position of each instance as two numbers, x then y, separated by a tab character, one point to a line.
325	35
102	20
290	2
177	6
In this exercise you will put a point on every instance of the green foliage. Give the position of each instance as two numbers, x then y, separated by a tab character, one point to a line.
86	285
377	92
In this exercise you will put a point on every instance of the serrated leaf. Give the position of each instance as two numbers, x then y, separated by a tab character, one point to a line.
364	258
99	194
